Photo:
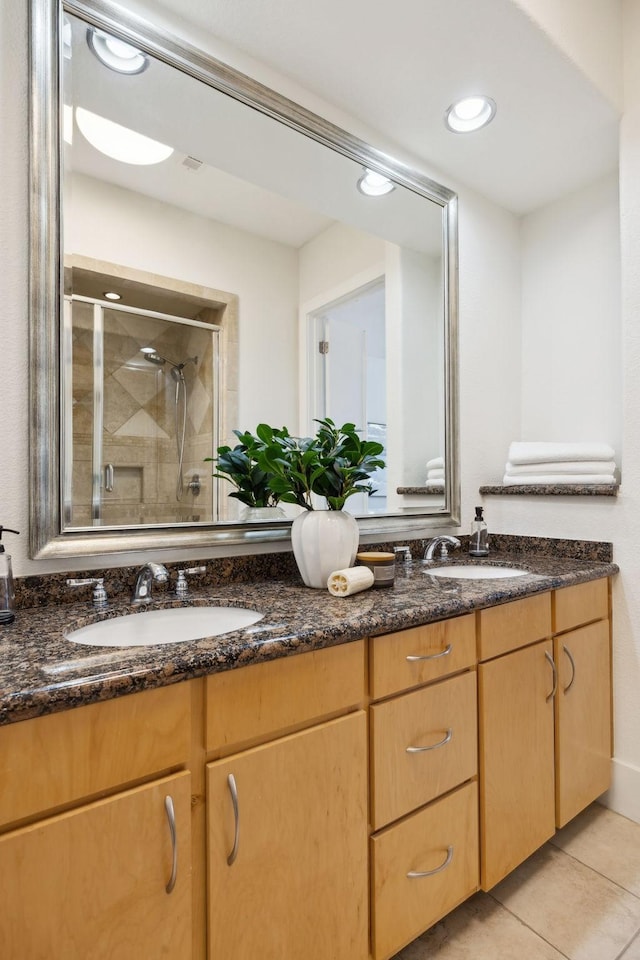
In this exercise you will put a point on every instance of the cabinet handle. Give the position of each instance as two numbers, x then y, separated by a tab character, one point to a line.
434	746
573	669
418	874
555	675
233	790
171	817
433	656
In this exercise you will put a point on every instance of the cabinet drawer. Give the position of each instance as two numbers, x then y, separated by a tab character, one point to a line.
445	832
54	760
265	699
512	625
412	657
423	744
582	603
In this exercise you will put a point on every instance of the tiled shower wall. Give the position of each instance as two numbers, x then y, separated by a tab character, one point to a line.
139	427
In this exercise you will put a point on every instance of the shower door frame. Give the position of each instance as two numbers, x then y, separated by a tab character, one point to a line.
66	460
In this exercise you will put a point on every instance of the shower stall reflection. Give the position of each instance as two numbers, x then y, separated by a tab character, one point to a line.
137	424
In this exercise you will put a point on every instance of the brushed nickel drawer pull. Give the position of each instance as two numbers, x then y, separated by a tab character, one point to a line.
171	817
418	874
434	746
573	669
555	675
233	790
433	656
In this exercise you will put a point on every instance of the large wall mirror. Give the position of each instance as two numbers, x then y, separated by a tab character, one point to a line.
208	256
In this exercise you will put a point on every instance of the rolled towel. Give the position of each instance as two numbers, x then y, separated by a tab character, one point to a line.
436	464
342	583
550	452
557	479
561	466
435	474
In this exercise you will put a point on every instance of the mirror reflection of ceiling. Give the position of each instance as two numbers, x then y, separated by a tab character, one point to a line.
397	68
242	180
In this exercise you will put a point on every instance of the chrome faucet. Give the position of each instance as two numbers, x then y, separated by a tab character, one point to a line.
443	543
147	573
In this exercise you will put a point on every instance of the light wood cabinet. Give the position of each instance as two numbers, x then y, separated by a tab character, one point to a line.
376	785
544	719
583	718
422	868
92	883
422	744
287	861
517	813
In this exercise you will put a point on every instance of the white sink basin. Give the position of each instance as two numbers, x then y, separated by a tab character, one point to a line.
174	625
470	572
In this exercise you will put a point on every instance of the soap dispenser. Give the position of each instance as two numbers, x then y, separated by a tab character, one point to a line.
7	595
479	540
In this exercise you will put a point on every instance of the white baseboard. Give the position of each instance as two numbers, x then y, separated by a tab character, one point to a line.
624	795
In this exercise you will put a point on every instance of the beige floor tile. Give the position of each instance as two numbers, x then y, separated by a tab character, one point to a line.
633	950
480	929
606	842
584	915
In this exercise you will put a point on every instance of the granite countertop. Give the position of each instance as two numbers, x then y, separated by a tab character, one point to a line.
42	672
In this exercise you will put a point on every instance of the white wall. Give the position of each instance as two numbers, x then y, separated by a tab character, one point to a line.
571	332
130	229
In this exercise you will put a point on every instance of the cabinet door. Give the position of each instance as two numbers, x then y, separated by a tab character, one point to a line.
583	729
517	802
91	884
297	883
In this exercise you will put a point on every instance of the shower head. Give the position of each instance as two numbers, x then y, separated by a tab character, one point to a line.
152	355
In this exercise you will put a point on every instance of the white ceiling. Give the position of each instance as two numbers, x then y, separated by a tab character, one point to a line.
396	67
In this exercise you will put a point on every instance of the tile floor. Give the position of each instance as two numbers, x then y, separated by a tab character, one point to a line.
578	897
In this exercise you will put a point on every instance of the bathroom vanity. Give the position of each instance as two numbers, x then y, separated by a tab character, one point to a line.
335	803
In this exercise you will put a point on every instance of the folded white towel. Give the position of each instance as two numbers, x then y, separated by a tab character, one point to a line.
561	466
557	479
435	486
436	464
541	452
435	474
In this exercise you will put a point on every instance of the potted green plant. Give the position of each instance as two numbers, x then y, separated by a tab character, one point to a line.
239	466
335	464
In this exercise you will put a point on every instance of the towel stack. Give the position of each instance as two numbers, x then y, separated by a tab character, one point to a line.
559	463
435	475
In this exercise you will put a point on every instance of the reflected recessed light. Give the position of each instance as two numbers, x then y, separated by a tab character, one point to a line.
470	114
118	142
111	295
116	54
374	184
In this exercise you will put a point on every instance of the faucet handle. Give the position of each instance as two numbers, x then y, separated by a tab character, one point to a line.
402	554
99	594
182	588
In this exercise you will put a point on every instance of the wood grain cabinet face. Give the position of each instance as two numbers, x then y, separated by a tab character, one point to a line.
423	743
422	868
410	658
512	625
583	718
297	885
517	799
91	884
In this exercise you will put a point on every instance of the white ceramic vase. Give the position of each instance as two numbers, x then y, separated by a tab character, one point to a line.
323	541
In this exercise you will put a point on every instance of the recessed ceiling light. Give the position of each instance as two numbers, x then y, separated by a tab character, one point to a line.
118	142
374	184
116	54
470	114
111	295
